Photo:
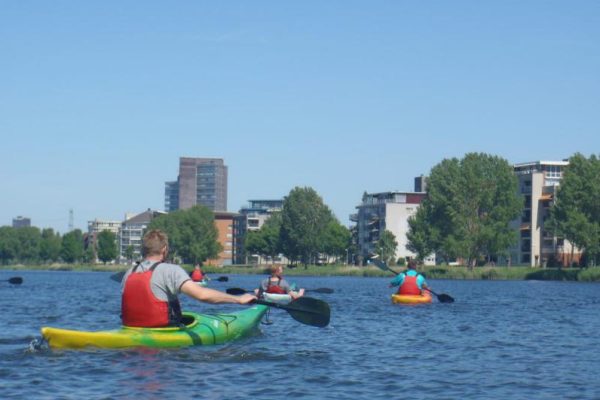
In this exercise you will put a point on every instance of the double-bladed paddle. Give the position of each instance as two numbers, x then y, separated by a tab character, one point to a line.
442	297
238	291
306	310
17	280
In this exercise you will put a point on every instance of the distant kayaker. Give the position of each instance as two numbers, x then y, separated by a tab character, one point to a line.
410	281
150	289
197	275
277	285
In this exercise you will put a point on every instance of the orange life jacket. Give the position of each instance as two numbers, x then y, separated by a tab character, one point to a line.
409	286
141	308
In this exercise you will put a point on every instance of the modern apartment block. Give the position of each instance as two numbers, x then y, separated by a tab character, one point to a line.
386	211
537	246
251	218
21	222
200	181
132	231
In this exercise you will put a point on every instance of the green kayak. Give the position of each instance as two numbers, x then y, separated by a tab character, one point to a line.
199	330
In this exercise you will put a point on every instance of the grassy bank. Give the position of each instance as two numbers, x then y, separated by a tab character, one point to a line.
437	272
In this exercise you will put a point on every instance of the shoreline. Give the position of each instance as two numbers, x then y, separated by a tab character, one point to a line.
434	272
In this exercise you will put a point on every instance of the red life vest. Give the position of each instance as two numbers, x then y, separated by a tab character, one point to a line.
409	286
141	308
274	287
197	275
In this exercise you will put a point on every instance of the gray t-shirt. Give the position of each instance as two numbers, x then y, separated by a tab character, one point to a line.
282	283
166	279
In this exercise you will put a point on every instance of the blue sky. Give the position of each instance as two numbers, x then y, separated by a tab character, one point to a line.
98	100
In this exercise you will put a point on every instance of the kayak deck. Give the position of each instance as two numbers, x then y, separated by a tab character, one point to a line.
200	330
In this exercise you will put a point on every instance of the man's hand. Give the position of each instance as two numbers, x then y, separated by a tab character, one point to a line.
246	298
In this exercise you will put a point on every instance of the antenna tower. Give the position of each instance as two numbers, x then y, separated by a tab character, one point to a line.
70	220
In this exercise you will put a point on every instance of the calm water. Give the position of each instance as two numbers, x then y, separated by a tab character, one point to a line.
499	340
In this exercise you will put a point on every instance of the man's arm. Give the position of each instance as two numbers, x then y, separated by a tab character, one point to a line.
208	295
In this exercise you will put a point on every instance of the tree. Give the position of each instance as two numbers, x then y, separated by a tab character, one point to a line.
468	209
192	233
89	255
576	212
50	245
266	241
304	218
29	243
72	246
107	246
129	253
386	247
9	244
336	239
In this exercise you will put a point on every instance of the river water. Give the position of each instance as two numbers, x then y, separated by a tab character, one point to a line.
499	340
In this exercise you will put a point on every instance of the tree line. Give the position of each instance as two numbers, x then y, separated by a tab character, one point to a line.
471	202
32	245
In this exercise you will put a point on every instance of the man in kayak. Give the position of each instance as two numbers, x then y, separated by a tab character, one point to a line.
197	275
276	284
150	289
410	281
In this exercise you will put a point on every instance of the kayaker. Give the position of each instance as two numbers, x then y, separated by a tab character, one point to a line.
276	284
197	275
150	289
410	281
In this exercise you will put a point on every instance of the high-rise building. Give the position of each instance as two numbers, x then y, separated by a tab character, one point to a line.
21	222
201	181
171	196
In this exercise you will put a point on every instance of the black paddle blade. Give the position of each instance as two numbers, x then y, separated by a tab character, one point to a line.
236	291
223	279
306	310
118	277
17	280
445	298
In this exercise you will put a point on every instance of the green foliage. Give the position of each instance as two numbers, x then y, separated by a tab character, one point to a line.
304	220
386	247
107	246
9	244
192	234
576	213
89	255
72	246
266	240
335	239
129	253
29	244
50	245
467	211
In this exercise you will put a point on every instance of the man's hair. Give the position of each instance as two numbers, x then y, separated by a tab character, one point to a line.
412	264
154	243
274	268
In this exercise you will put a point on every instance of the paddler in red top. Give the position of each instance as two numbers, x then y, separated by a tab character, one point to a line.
197	274
150	289
276	284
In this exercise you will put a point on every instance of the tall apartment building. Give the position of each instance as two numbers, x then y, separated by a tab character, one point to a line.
538	182
200	181
386	211
21	222
132	231
252	218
